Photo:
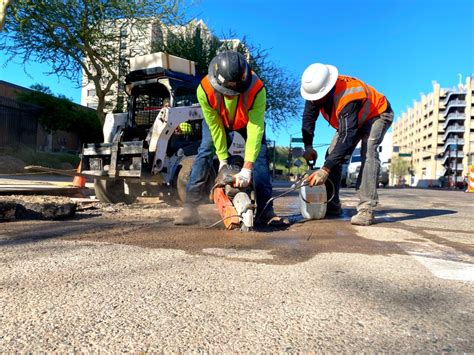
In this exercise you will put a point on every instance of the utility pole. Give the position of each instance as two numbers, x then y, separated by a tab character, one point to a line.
289	159
274	157
449	166
456	162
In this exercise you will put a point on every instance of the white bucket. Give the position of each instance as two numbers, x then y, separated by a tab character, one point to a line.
313	201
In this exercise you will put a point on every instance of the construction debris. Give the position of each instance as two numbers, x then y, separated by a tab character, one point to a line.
17	207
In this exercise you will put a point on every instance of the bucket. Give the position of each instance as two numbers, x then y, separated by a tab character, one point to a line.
313	201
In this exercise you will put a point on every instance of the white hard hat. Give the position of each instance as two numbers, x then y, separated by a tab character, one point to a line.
317	80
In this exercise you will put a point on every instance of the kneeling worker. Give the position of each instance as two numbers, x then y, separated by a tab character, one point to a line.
358	113
232	98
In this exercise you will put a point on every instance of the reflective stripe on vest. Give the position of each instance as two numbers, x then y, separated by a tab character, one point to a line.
244	104
348	89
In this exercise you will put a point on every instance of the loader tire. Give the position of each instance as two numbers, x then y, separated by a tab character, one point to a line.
113	191
183	178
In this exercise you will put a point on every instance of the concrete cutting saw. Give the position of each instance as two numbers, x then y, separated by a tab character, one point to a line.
236	206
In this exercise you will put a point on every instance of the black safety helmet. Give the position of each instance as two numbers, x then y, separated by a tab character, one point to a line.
229	73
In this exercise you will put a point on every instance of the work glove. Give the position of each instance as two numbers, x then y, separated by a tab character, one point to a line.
243	178
319	177
222	164
310	154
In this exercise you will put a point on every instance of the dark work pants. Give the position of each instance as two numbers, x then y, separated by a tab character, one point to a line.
371	136
200	172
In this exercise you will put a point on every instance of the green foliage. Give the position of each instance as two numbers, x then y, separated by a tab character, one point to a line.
281	159
195	43
60	113
75	37
198	44
283	97
399	167
49	160
120	106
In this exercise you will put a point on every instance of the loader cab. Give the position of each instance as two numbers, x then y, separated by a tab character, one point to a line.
152	89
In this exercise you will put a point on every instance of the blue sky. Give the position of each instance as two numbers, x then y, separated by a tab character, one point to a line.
397	46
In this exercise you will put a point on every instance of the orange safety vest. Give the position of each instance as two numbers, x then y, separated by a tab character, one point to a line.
348	89
245	103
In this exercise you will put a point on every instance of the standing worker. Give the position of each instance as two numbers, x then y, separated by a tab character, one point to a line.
232	98
358	113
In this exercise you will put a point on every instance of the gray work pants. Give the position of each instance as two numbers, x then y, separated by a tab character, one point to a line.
370	135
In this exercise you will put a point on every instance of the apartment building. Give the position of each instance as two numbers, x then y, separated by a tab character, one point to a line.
436	135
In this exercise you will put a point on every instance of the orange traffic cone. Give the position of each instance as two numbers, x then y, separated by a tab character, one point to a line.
470	179
79	181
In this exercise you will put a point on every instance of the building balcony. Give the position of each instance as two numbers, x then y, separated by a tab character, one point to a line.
453	116
453	104
446	156
459	168
450	95
456	128
452	141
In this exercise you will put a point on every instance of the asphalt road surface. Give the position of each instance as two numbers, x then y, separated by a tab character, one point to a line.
124	278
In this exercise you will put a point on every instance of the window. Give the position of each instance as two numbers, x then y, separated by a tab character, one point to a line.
92	105
123	32
91	92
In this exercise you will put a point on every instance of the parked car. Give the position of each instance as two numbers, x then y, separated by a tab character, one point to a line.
353	170
384	174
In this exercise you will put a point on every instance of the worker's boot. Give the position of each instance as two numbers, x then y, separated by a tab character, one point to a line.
363	218
269	218
333	210
188	216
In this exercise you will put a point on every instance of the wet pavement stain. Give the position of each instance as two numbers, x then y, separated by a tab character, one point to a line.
150	226
299	243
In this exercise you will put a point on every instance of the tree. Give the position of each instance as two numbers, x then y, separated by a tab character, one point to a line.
195	42
60	113
198	44
399	168
80	37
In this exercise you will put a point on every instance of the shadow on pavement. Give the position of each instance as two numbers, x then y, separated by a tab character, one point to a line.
411	214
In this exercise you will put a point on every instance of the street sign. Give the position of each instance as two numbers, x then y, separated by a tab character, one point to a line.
404	154
296	140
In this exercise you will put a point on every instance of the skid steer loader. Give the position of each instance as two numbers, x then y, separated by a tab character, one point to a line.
150	149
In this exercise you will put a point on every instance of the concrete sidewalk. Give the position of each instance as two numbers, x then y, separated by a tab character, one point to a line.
38	184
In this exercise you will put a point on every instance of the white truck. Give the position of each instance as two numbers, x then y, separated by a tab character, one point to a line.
150	149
